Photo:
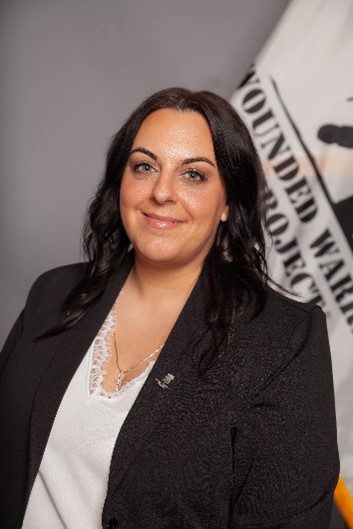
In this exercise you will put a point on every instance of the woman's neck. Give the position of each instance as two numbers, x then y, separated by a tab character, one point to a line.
162	284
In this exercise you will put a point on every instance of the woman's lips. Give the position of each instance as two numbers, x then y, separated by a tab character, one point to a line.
161	224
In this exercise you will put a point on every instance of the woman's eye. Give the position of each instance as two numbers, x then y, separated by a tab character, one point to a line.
200	176
142	164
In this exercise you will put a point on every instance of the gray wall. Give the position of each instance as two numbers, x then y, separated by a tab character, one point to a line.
72	71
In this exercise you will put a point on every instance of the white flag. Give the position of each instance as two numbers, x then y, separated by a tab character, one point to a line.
297	100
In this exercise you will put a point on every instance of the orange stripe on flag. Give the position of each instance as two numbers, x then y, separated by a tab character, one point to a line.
344	501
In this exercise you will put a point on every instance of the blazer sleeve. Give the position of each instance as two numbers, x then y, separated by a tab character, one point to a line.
21	321
289	440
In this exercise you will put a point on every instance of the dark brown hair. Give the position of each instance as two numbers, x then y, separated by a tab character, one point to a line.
235	266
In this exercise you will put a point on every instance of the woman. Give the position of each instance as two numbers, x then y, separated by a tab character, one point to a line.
163	383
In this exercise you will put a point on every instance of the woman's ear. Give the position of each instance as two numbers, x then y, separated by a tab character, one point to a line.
225	212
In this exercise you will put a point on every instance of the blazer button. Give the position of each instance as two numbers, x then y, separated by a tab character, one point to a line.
113	524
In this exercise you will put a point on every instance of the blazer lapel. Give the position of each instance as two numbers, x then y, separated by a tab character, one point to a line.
154	398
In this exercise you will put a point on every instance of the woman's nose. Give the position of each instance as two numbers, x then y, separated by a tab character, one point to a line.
164	186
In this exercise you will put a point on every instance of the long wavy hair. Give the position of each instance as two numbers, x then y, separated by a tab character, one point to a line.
235	266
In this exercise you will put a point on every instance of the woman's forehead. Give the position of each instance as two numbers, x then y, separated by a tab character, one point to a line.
175	134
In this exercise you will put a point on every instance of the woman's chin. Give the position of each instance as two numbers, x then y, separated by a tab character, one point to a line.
158	253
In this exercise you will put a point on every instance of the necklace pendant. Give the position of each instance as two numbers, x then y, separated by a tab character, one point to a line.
118	379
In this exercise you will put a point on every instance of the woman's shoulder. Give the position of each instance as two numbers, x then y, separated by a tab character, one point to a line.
285	310
57	281
283	318
289	306
64	272
291	319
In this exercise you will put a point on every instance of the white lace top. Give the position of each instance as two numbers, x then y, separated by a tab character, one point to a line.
71	484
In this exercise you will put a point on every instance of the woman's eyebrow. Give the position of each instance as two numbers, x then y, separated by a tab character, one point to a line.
186	161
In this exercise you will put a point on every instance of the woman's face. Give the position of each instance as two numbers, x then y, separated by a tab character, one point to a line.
161	179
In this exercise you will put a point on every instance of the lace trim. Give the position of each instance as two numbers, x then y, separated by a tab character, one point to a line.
99	356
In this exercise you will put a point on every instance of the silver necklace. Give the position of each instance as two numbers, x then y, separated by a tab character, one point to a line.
118	378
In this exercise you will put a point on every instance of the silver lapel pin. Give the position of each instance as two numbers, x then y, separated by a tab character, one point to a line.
165	381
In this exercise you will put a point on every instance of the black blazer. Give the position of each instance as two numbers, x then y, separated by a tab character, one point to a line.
252	444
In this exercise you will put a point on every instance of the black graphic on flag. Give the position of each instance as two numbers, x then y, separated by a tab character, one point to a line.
341	135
